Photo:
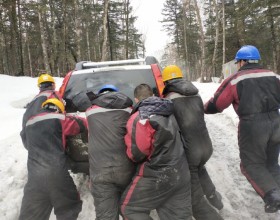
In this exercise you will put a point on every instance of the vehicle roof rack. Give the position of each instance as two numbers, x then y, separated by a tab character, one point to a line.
89	64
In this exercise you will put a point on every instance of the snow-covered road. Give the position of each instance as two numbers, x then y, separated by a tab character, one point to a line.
240	200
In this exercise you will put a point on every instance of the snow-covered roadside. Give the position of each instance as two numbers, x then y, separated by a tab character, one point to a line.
240	200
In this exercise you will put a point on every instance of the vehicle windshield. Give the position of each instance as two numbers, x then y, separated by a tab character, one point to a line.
125	80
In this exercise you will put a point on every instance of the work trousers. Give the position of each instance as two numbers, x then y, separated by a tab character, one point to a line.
107	186
201	184
259	143
47	190
169	194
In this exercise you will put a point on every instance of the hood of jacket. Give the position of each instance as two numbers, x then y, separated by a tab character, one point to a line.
154	106
112	100
180	86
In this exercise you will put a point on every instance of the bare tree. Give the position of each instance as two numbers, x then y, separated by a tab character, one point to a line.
202	40
25	37
126	27
105	32
273	36
19	40
224	37
43	40
54	56
216	36
186	53
77	30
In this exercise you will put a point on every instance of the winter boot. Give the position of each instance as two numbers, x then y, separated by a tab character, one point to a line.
272	201
215	200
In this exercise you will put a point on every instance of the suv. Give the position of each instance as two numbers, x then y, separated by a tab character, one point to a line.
90	77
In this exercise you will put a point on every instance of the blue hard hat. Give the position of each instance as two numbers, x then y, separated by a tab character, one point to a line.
248	52
108	87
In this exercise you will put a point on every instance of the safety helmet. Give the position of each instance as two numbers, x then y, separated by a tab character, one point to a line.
45	78
171	72
54	102
248	52
108	87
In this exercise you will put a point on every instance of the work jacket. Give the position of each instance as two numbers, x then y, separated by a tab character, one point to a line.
107	118
153	139
252	90
35	106
45	136
189	113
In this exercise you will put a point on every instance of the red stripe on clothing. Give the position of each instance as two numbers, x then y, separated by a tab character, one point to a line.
63	136
128	136
131	189
255	186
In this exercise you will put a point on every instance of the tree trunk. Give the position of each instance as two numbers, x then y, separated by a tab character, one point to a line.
19	37
273	37
2	45
54	56
109	40
77	30
28	52
88	47
239	25
186	53
13	34
126	28
202	41
105	32
43	41
224	37
216	37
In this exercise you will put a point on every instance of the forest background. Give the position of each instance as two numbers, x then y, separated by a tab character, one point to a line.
52	35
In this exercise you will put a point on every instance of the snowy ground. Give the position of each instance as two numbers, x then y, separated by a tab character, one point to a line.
240	200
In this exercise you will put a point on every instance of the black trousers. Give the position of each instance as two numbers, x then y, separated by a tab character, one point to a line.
169	194
259	143
107	186
201	184
45	191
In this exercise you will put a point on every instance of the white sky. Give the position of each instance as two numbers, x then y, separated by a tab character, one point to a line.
149	15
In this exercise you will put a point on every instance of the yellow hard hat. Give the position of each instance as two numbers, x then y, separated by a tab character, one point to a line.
171	72
45	78
55	102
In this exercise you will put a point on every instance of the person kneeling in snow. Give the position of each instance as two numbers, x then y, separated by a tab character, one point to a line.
49	183
162	180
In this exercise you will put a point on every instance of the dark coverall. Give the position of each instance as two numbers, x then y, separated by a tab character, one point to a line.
255	95
35	106
189	113
110	169
162	180
49	183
